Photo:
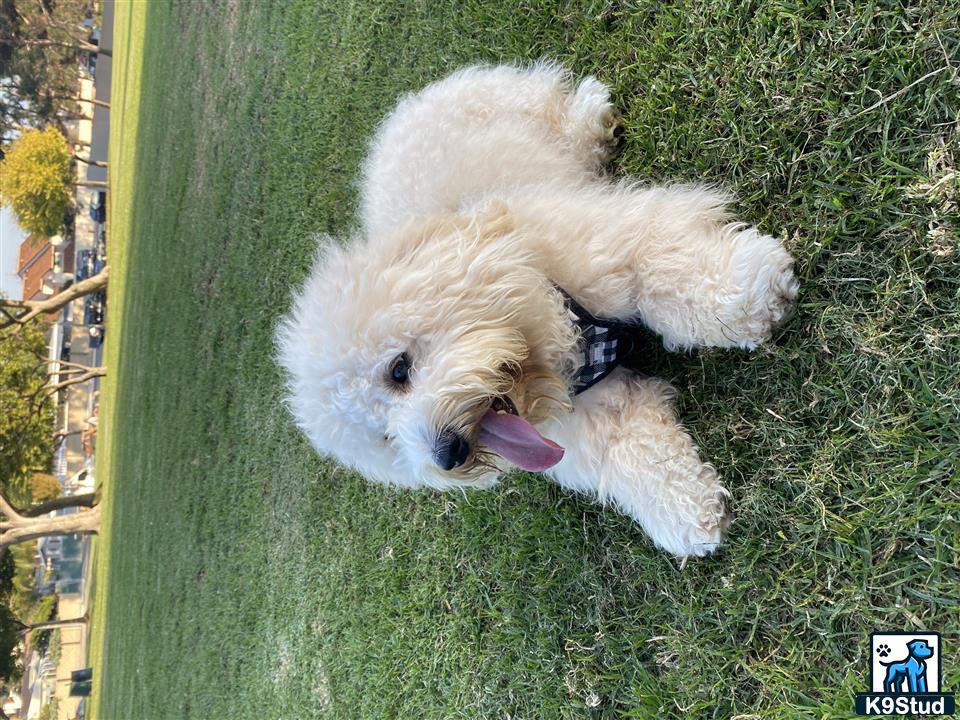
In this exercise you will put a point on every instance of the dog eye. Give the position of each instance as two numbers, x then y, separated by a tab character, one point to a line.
400	370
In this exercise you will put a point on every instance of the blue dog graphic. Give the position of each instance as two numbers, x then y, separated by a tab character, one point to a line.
913	669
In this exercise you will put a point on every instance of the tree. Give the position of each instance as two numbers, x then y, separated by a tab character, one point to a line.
26	445
20	526
35	180
41	44
18	313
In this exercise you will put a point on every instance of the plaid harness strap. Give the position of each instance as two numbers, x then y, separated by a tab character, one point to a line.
604	342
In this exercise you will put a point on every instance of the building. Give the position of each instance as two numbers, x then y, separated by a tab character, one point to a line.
42	266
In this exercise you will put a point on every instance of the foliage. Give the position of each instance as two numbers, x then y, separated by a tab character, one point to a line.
24	594
26	436
54	647
35	180
45	609
8	625
49	711
43	487
38	60
838	442
8	569
9	639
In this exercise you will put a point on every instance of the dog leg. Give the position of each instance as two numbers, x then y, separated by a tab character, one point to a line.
625	447
484	128
592	125
668	255
715	283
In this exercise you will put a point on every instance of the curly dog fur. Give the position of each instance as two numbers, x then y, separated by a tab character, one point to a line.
481	195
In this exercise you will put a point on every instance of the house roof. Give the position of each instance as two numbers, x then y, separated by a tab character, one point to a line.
33	274
30	250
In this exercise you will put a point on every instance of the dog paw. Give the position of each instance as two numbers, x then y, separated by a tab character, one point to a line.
764	290
704	537
696	519
593	123
614	137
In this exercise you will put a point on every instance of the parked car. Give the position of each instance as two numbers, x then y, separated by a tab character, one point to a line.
96	336
94	309
88	264
94	306
91	64
98	206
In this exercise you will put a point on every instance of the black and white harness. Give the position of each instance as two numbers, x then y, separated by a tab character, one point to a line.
605	343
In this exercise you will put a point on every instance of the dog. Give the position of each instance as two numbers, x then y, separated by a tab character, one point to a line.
442	347
913	669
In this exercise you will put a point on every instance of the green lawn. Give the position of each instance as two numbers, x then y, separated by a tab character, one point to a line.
240	576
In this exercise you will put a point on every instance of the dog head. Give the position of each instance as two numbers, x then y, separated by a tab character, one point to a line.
426	358
920	649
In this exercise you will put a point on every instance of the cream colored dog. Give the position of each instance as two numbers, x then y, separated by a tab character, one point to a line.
439	347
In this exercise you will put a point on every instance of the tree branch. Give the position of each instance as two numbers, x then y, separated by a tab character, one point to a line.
92	163
83	500
54	303
8	510
48	390
32	528
42	43
26	627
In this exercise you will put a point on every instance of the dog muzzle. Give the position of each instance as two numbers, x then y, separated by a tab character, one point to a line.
604	344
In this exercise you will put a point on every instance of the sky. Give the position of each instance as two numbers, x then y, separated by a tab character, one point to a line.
10	238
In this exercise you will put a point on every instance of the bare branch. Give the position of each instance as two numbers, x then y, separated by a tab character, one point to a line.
42	43
34	528
87	500
56	302
8	510
48	390
92	163
25	627
75	367
11	320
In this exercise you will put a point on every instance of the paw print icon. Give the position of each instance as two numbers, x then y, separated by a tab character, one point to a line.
883	650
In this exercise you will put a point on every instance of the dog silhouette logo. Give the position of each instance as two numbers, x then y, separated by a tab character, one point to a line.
909	674
905	676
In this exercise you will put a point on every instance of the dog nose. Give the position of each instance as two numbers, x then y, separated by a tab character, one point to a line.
451	450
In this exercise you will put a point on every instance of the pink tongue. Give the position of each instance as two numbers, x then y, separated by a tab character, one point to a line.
518	441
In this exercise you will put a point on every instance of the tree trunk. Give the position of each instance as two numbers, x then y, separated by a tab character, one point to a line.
77	45
24	627
40	307
94	163
87	500
17	528
92	101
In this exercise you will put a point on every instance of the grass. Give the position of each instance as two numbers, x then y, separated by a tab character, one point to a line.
240	576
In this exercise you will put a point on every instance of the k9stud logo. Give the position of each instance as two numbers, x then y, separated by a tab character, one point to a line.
905	675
